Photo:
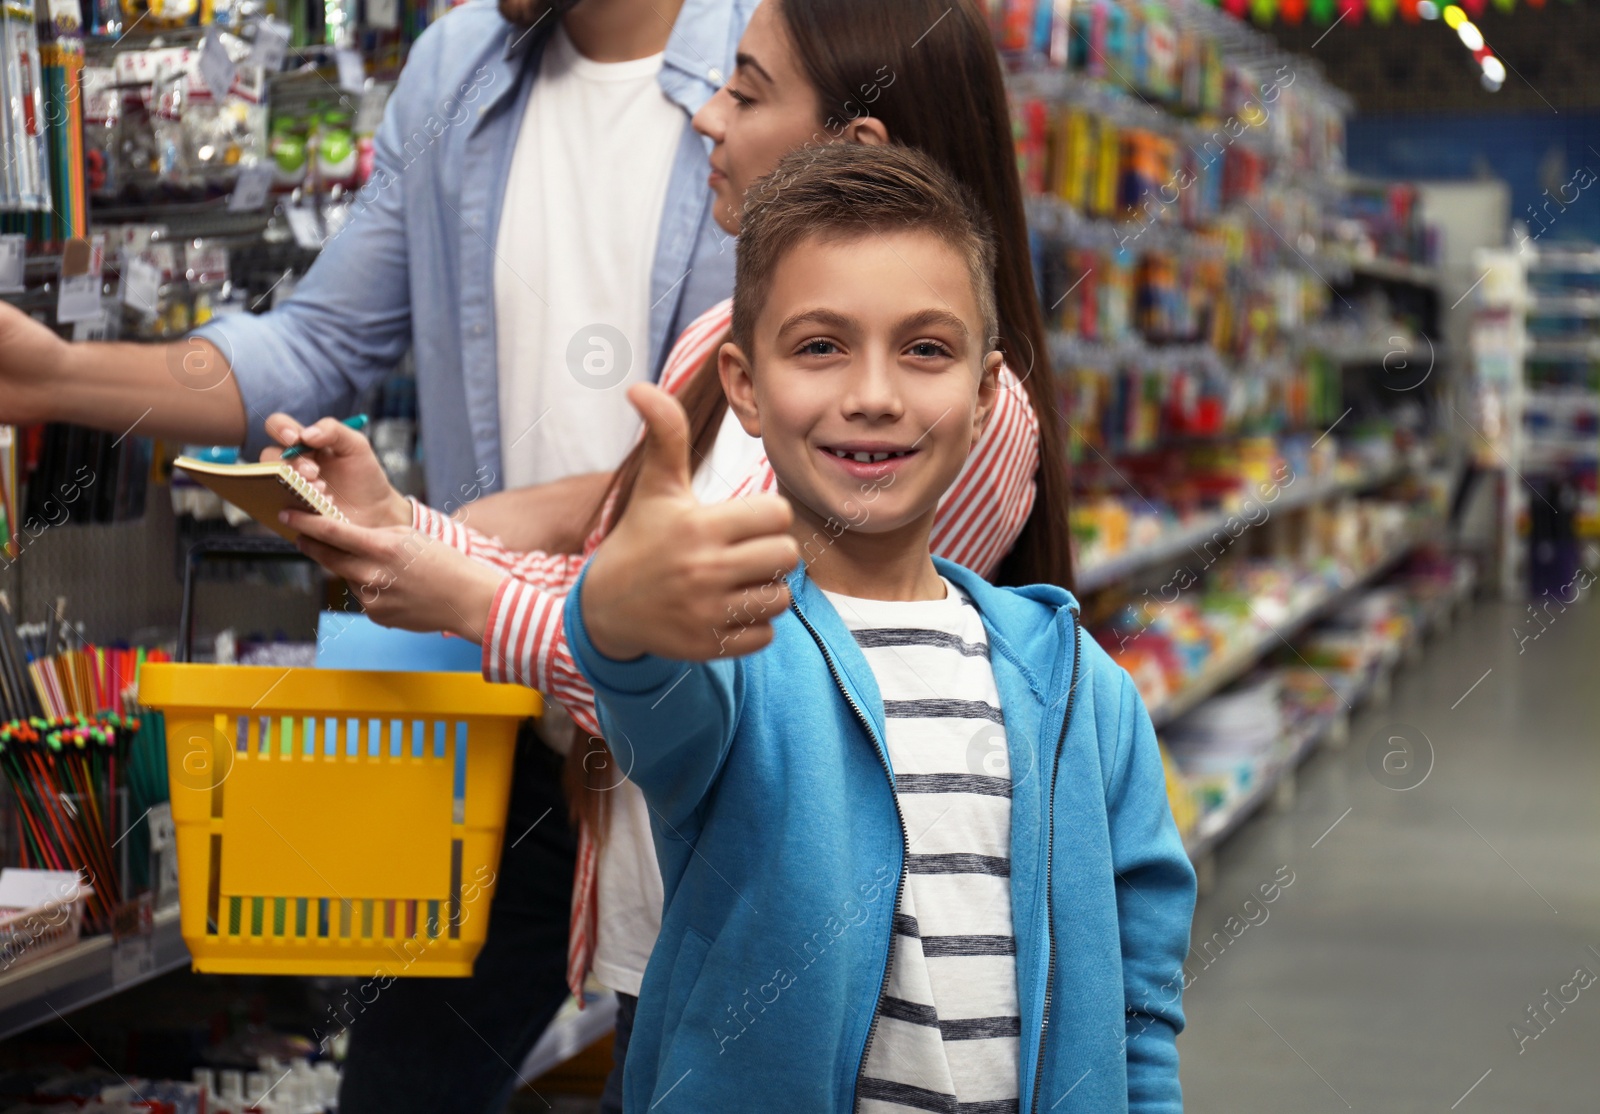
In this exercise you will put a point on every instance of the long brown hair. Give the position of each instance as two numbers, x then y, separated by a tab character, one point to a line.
934	79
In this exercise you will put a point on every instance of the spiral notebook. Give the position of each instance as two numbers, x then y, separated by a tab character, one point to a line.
261	490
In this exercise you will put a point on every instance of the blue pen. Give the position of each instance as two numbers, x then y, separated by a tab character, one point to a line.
357	423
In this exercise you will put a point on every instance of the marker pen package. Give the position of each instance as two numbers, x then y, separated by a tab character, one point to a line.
27	181
10	172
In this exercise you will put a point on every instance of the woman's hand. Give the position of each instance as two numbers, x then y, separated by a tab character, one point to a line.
679	579
402	577
340	463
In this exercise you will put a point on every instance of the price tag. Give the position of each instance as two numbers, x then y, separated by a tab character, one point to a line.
141	286
352	71
133	942
384	14
95	328
251	190
217	70
306	226
132	958
13	263
80	298
272	43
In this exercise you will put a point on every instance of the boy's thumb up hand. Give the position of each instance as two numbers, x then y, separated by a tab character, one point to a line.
665	469
679	579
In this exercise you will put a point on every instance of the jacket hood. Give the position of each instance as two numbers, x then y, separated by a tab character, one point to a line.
1034	618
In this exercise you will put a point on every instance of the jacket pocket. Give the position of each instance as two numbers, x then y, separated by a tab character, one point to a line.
692	950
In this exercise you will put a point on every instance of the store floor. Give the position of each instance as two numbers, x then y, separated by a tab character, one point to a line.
1421	923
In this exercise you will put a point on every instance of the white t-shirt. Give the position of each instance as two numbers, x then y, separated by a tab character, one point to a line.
948	1023
628	882
573	259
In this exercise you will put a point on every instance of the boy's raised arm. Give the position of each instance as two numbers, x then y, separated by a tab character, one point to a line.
668	601
668	723
1155	905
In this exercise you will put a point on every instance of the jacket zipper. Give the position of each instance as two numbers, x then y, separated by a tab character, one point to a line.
1049	864
905	844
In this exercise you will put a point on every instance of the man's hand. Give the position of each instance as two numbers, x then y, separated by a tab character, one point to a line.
402	577
341	464
30	354
682	580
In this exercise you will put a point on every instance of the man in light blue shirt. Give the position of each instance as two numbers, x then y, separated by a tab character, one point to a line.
416	269
415	266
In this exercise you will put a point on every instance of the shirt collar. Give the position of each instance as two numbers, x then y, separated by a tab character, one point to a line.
520	40
701	45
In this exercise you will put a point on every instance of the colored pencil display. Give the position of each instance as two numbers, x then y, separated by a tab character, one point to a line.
68	742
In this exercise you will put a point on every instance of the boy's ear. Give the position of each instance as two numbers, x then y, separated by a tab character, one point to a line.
733	367
988	386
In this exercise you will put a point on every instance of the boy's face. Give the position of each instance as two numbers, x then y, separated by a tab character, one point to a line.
870	380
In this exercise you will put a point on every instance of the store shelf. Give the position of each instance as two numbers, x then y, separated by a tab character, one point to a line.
1396	270
1564	305
1556	261
1237	661
31	301
94	968
1218	825
1541	455
1067	350
40	274
1583	349
1055	218
1176	543
1304	738
1355	355
190	220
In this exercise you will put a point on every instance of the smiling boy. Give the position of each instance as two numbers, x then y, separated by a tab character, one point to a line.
915	844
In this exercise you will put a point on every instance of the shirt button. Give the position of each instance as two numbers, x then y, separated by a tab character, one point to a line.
479	329
715	75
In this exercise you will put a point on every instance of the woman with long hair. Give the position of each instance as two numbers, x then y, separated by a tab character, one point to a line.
921	73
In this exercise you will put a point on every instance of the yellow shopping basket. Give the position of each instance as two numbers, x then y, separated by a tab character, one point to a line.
336	822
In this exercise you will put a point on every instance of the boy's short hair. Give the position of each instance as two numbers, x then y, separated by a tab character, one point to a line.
849	190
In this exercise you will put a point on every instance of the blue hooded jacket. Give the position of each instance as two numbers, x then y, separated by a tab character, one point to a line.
781	849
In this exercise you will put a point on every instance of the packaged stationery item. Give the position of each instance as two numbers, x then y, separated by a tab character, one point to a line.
25	177
61	67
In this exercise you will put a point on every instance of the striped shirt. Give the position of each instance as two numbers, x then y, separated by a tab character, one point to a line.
948	1024
977	522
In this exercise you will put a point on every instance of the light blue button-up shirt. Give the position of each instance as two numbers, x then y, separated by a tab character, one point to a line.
414	267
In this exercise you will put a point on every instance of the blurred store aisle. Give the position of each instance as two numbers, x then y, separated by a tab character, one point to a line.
1418	926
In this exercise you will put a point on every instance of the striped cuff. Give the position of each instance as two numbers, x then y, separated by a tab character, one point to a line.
523	625
439	527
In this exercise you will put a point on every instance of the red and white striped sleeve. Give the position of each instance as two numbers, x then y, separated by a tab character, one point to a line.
525	644
553	571
983	513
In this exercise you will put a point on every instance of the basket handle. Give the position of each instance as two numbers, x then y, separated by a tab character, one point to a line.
241	549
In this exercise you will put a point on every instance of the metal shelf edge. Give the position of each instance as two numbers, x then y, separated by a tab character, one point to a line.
1198	845
1237	663
1112	569
39	991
